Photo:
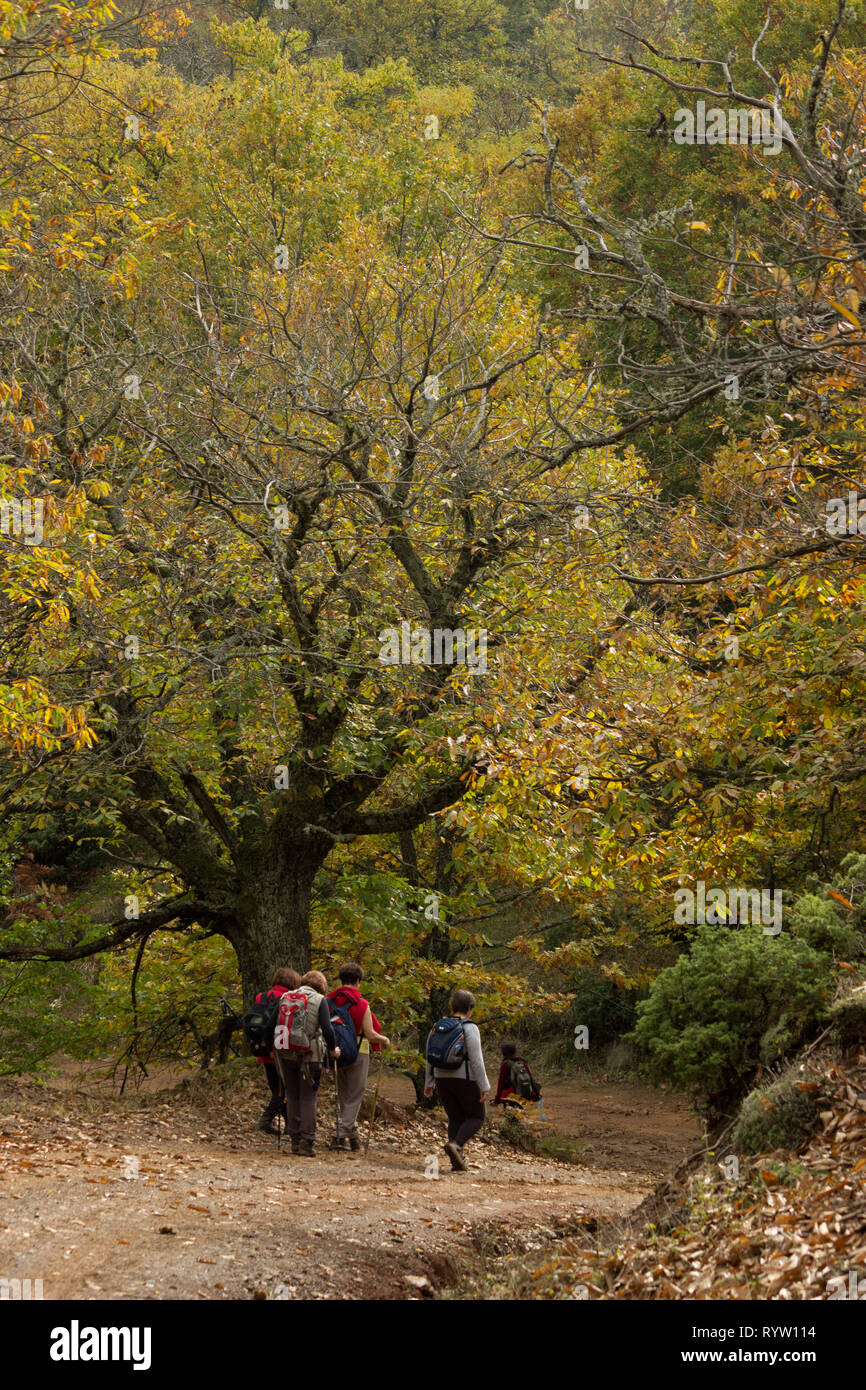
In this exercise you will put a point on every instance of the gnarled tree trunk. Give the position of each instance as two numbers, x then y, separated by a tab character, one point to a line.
272	923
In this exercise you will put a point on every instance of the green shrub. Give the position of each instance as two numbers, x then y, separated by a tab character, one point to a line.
817	921
82	1008
44	1005
736	999
848	1019
825	922
779	1116
606	1011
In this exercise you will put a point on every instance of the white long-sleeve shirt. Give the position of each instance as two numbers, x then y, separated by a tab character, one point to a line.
475	1057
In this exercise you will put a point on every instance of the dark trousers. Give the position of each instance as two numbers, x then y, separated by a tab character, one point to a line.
463	1106
276	1104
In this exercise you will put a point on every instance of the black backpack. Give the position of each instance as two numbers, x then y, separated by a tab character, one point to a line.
344	1031
259	1024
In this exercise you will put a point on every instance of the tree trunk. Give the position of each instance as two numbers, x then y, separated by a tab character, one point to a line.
272	927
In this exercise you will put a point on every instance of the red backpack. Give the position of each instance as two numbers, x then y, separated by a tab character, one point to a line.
297	1022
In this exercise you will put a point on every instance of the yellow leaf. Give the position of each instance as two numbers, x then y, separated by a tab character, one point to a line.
846	313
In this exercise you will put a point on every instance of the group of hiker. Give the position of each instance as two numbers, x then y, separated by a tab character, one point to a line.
297	1027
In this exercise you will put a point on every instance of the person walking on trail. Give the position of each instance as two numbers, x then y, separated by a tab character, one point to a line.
455	1064
352	1079
284	979
516	1083
302	1070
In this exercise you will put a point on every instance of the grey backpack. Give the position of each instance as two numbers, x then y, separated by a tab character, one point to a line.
297	1036
521	1079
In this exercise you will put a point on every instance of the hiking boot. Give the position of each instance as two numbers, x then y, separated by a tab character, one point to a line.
305	1149
266	1124
296	1143
337	1143
354	1143
455	1153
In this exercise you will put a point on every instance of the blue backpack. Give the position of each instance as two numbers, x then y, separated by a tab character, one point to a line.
446	1045
344	1030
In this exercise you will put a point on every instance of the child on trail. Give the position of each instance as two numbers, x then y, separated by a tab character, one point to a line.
454	1046
516	1083
302	1071
284	979
352	1079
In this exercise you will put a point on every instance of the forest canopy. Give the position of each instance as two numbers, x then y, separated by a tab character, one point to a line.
432	509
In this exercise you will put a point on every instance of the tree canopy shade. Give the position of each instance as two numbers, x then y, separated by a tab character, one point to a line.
307	442
313	401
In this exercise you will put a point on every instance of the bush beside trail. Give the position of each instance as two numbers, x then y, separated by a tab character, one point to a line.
781	1115
709	1040
740	1001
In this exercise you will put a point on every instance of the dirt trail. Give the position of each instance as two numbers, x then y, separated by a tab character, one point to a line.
175	1197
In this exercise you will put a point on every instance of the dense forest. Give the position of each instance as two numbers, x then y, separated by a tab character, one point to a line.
433	526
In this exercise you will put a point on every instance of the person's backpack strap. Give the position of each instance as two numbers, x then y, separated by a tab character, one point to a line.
465	1045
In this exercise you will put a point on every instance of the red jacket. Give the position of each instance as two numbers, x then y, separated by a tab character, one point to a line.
352	999
275	991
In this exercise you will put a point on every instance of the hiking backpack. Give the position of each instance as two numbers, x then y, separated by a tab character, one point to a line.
259	1024
446	1045
344	1031
297	1027
521	1080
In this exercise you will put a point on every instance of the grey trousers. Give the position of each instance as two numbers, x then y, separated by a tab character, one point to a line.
351	1084
301	1101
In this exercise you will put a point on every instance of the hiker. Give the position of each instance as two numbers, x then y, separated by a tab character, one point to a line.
352	1079
515	1079
299	1050
454	1046
284	979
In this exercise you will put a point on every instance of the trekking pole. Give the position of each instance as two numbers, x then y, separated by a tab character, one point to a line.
279	1115
336	1104
375	1102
